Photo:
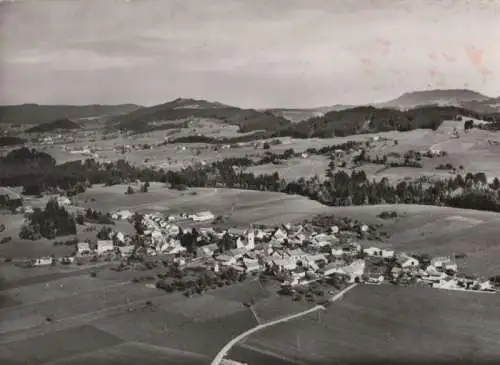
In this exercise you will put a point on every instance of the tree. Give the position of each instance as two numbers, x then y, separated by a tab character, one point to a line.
266	146
130	190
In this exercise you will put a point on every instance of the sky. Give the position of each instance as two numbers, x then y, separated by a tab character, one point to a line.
248	53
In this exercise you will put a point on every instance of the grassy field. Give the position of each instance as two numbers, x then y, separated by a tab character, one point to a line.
386	324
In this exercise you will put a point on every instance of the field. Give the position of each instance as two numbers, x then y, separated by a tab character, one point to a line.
49	307
389	324
249	206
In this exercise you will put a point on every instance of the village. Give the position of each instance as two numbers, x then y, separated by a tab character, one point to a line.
295	256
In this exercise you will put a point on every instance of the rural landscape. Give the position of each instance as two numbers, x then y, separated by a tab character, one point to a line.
218	220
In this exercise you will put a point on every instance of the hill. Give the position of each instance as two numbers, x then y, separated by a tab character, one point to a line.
447	97
296	115
491	105
38	114
178	110
59	124
368	119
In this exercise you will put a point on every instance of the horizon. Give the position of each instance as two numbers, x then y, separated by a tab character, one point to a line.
256	108
262	55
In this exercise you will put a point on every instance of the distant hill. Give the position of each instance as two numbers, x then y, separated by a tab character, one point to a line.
59	124
447	97
38	114
153	118
368	119
491	105
296	115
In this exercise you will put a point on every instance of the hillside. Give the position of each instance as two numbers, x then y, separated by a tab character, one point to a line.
178	110
10	141
59	124
491	105
447	97
38	114
368	119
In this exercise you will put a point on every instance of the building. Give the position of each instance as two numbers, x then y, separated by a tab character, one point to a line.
203	216
83	248
441	261
42	261
373	251
104	246
63	201
126	251
355	270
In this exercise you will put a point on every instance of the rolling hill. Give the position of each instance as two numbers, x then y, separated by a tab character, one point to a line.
59	124
438	97
368	119
38	114
164	115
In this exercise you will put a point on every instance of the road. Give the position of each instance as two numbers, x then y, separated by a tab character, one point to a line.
218	358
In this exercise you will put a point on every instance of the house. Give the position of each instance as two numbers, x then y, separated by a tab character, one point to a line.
83	248
337	252
122	214
332	268
204	251
42	261
316	259
104	246
126	251
284	264
120	237
451	267
375	279
63	201
387	254
407	262
203	216
226	260
373	251
396	272
441	261
355	270
279	234
251	265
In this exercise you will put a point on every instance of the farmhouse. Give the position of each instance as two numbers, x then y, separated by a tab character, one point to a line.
42	261
83	248
203	216
104	246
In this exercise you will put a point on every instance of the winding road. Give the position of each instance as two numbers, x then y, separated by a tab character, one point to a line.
218	358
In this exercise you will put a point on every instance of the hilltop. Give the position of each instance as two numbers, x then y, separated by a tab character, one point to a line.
38	114
178	110
438	97
59	124
296	115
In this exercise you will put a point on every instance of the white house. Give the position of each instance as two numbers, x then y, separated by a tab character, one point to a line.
104	246
126	251
251	265
373	251
63	201
409	262
42	261
387	254
203	216
83	248
440	261
354	270
332	268
337	252
280	234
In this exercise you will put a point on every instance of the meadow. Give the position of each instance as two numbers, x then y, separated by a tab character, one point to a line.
392	325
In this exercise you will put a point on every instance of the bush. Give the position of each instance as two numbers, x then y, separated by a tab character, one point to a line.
5	240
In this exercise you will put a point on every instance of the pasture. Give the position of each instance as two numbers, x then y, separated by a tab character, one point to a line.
386	324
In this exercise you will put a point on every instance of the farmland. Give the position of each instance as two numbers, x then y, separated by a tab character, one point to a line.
391	324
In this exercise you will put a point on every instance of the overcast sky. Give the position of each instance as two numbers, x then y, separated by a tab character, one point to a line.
252	53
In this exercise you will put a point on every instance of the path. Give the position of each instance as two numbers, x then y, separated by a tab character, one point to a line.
218	358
